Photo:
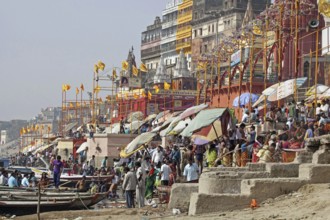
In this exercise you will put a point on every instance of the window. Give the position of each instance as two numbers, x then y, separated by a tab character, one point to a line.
209	28
205	48
212	28
201	31
195	33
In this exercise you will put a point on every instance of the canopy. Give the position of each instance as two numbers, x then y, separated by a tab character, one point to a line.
270	90
70	126
135	116
42	148
286	89
82	147
113	129
179	127
319	89
193	110
188	112
203	119
209	133
135	125
260	100
137	144
245	99
150	117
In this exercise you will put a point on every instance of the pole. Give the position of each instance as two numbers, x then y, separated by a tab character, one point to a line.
39	199
197	87
219	76
205	84
211	81
229	79
265	66
316	60
310	68
280	49
81	108
296	49
240	74
251	70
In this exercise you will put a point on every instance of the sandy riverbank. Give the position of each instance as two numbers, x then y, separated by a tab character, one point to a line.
310	202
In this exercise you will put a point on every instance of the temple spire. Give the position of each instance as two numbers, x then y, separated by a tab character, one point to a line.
249	14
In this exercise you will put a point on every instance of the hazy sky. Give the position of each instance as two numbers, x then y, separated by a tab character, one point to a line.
45	43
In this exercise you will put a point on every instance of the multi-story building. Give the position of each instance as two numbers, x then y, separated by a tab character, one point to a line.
212	18
169	31
150	45
4	136
183	33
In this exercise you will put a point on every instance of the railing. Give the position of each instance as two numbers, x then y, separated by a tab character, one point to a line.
180	46
185	17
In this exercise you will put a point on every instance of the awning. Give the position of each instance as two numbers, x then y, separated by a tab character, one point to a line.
203	119
150	118
82	147
209	133
70	126
319	90
42	148
113	129
245	99
134	126
188	112
178	128
137	144
135	116
286	89
193	110
65	144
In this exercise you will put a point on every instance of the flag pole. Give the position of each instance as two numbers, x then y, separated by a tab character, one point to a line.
219	76
316	60
205	83
197	86
251	70
229	79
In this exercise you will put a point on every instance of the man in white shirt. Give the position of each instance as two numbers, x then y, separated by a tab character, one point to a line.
92	165
325	108
141	184
191	172
25	181
157	155
165	172
4	178
245	118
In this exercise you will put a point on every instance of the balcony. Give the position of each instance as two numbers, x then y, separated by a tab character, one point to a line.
183	32
185	17
183	45
169	24
186	4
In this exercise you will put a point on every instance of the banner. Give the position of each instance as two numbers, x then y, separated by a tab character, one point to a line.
135	82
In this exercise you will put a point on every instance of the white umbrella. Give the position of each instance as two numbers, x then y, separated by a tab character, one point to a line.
286	89
82	147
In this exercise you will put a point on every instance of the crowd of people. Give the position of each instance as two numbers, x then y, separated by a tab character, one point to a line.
154	168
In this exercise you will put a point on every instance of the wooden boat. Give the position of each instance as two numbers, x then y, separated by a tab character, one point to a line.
20	203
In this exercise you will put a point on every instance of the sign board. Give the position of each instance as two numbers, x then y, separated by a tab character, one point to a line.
177	103
135	82
152	108
326	41
235	58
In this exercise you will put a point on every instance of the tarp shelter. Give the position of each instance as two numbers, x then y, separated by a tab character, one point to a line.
82	147
179	127
135	116
245	99
320	89
209	133
206	118
137	144
185	114
70	126
113	129
286	89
